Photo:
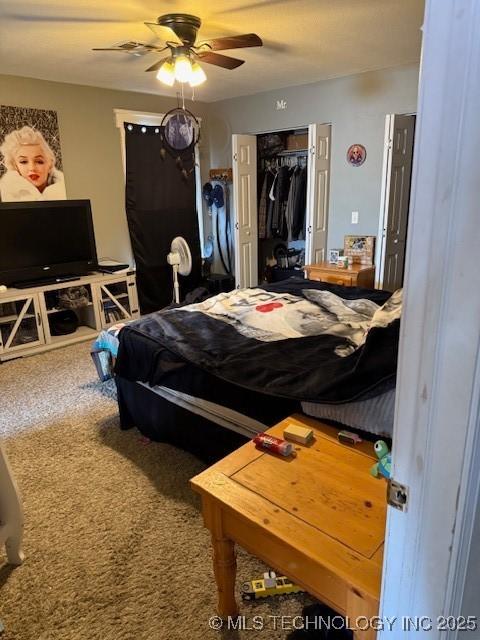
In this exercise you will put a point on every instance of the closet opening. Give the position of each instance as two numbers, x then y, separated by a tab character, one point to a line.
280	202
282	162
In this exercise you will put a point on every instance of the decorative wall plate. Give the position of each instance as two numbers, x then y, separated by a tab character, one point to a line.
356	155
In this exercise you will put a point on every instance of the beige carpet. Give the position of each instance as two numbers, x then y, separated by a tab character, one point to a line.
114	540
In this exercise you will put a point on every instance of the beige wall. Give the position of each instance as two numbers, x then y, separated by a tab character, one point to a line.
355	106
90	146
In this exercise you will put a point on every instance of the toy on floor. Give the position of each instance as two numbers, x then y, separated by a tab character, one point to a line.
384	465
269	585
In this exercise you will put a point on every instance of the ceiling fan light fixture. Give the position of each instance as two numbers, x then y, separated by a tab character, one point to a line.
180	38
166	73
183	68
197	76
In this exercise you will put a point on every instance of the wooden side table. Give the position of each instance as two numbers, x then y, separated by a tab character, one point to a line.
356	275
319	518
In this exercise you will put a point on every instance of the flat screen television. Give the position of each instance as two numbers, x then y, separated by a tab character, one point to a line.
45	240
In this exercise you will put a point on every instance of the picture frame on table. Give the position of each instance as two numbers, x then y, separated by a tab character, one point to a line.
333	256
360	248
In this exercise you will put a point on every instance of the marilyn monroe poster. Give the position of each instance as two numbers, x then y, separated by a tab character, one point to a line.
31	160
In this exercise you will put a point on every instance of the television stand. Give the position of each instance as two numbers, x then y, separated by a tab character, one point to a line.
29	284
28	316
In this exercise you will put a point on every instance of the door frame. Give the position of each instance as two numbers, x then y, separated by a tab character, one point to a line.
438	388
155	119
308	128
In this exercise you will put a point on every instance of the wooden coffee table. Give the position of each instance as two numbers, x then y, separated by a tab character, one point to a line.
319	518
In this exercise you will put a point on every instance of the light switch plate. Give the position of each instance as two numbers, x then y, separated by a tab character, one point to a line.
354	217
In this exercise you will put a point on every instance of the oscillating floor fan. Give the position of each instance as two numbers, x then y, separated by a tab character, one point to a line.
180	259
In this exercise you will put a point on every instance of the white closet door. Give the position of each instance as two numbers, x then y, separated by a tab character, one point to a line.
245	210
318	183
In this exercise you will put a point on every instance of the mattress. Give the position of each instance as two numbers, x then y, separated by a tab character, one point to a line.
374	415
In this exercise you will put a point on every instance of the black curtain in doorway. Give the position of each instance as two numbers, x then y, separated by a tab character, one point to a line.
160	204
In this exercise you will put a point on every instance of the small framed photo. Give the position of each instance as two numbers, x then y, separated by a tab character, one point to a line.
333	256
360	248
356	155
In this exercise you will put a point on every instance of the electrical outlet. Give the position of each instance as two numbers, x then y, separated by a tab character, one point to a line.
354	217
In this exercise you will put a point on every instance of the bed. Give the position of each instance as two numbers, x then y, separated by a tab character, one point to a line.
207	376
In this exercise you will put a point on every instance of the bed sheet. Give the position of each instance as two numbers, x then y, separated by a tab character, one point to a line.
210	356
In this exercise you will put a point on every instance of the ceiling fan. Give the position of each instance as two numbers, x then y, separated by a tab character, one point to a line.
181	64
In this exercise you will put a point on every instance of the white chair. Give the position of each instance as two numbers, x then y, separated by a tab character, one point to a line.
11	513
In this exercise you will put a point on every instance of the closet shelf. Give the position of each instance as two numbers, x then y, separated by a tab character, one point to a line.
56	310
293	152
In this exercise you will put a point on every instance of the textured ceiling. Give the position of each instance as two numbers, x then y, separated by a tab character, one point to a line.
305	40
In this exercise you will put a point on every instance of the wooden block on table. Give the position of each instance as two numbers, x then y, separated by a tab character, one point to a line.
295	433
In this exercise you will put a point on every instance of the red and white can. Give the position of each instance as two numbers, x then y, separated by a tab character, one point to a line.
275	445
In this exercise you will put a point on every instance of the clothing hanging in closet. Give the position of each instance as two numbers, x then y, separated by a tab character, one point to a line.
266	180
282	186
299	204
282	203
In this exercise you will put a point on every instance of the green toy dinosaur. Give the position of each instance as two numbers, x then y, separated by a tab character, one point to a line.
384	465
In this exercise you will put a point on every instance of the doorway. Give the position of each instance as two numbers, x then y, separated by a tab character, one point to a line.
247	195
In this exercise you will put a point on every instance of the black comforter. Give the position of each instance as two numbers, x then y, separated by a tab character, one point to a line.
301	368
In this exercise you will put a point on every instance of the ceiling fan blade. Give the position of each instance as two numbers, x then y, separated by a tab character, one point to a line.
162	33
234	42
219	60
132	47
157	65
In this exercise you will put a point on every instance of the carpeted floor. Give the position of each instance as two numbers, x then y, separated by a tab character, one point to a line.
114	540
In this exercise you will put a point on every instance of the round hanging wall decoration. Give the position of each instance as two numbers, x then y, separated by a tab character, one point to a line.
180	134
356	155
181	129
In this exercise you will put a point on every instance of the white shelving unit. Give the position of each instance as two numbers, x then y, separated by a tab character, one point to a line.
26	314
